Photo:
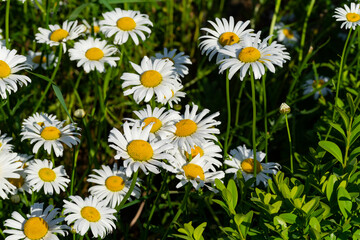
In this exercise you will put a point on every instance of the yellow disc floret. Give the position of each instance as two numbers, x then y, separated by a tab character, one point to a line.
150	78
249	54
185	128
37	59
193	171
248	166
114	183
140	150
353	17
90	213
194	152
126	24
288	33
47	175
94	54
318	84
228	38
17	182
50	133
156	126
58	35
35	228
4	69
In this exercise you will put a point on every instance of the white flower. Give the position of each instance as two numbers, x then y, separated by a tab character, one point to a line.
5	146
89	213
20	183
176	95
94	27
151	78
112	185
39	119
286	35
56	35
255	54
242	159
92	54
137	150
349	16
318	86
39	224
34	59
125	23
51	135
225	34
10	64
10	164
41	174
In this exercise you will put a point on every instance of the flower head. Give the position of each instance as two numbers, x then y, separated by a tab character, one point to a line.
10	165
286	35
37	59
349	16
318	86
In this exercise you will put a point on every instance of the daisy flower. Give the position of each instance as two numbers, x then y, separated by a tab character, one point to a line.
39	119
51	135
111	185
10	164
10	64
94	27
89	213
136	149
286	35
242	159
4	145
34	59
153	77
318	86
176	95
349	16
41	174
39	224
161	119
60	35
125	23
179	60
92	54
225	33
255	53
20	183
193	128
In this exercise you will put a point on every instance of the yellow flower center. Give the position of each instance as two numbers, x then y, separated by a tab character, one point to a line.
318	84
41	124
248	166
185	128
156	126
35	228
96	29
0	144
50	133
194	152
37	59
114	183
140	150
288	33
249	54
150	78
126	23
90	213
193	171
17	182
94	54
58	35
47	175
353	17
4	69
228	38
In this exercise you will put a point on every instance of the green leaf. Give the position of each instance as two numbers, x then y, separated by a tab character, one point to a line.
355	133
296	191
344	116
219	185
182	236
131	1
244	227
222	204
40	76
338	128
351	103
314	223
311	205
61	99
106	4
330	186
279	221
234	193
78	10
344	201
189	228
356	235
333	149
275	207
354	153
199	230
288	217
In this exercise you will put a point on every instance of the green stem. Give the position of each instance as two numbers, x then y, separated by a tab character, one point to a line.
273	21
290	145
75	157
52	157
132	186
7	14
265	117
228	114
254	120
303	35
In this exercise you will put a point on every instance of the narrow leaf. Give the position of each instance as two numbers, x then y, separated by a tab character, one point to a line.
61	99
78	10
330	186
344	201
344	116
234	193
333	149
338	128
351	103
354	153
199	230
311	205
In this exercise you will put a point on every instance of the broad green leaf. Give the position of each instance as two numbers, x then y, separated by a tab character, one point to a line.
333	149
338	128
233	189
330	186
244	227
314	223
222	204
288	217
354	153
184	231
61	99
296	191
355	133
279	221
356	235
267	198
182	236
78	10
344	201
199	230
188	227
284	189
327	210
219	185
344	116
351	103
275	207
311	205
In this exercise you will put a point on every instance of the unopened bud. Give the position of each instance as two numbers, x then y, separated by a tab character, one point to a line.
284	108
79	113
15	198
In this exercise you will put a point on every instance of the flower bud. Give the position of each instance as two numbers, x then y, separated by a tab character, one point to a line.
79	113
284	108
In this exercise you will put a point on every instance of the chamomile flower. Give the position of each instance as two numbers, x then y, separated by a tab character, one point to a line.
161	119
39	119
111	185
51	135
225	33
5	146
125	23
176	95
242	159
57	35
89	213
94	27
92	54
179	60
255	54
10	164
20	183
137	151
349	16
39	224
193	129
10	64
152	77
42	174
286	35
34	59
318	86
